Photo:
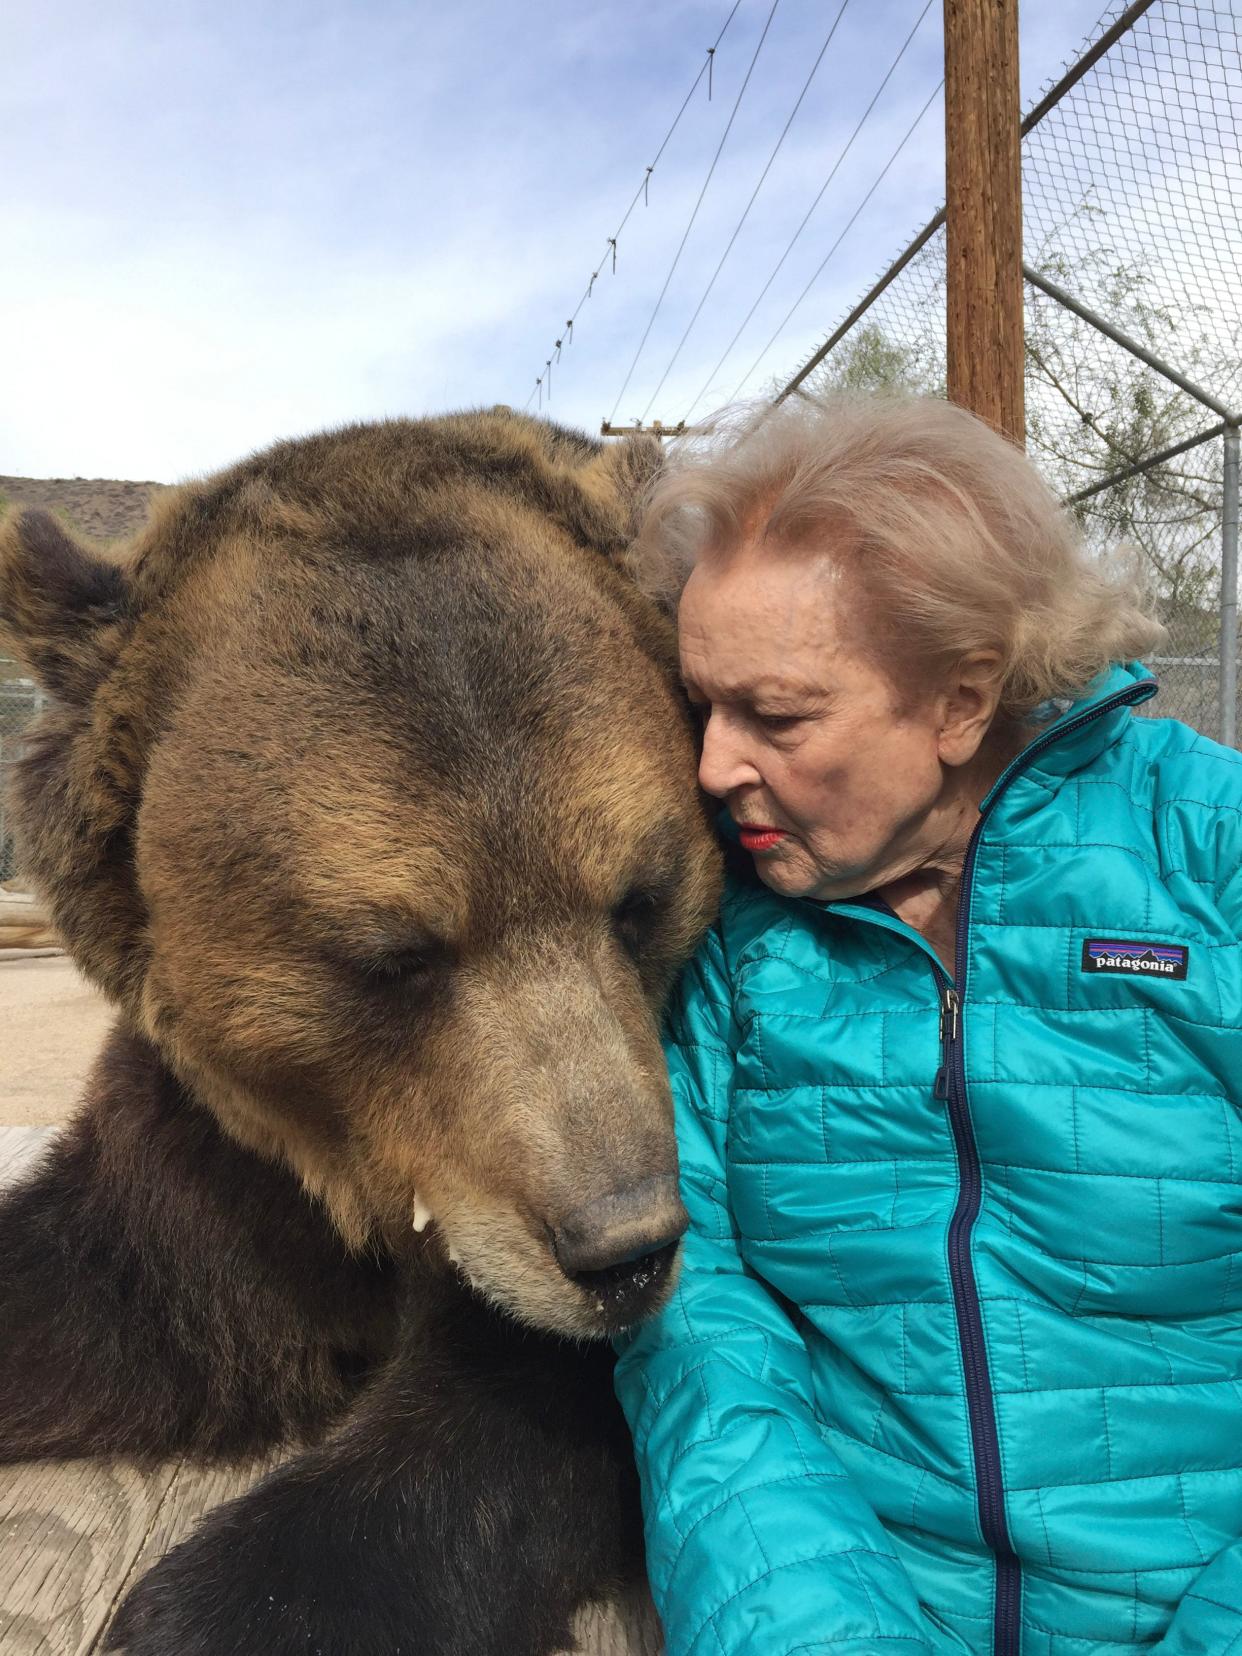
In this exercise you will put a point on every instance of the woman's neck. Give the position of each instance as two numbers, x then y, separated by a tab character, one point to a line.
926	897
927	901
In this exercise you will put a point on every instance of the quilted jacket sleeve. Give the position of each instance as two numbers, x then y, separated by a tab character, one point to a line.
1208	1620
757	1540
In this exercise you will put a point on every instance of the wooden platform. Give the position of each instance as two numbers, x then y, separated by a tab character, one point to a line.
74	1535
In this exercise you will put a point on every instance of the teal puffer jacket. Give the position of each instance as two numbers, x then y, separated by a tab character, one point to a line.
955	1359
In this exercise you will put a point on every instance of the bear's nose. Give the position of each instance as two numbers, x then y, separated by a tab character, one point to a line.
621	1228
630	1291
620	1247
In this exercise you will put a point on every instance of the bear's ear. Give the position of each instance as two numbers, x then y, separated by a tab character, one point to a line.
629	468
59	604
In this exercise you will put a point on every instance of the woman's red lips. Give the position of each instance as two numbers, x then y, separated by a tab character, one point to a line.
756	837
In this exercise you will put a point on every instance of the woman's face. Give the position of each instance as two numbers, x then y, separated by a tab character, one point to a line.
837	785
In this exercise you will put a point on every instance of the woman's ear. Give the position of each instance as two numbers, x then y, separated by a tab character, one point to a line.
970	699
60	605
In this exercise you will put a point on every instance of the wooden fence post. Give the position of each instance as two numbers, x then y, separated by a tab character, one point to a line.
983	194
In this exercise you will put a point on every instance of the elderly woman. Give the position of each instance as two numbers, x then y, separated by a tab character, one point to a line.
955	1360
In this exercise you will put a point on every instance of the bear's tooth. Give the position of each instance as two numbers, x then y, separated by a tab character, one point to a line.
422	1214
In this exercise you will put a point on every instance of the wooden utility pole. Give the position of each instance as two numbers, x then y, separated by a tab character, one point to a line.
983	196
657	428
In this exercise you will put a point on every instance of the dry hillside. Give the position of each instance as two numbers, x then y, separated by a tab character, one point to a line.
102	509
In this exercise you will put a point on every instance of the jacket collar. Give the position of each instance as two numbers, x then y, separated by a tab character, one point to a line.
1073	736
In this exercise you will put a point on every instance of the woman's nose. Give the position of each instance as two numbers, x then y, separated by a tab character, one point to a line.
724	765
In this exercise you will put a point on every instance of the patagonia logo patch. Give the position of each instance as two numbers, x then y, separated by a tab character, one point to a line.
1110	954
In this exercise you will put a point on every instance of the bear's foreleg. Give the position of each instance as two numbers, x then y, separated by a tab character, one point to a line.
163	1290
482	1492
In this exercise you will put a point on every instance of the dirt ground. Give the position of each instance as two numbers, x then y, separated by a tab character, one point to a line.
53	1025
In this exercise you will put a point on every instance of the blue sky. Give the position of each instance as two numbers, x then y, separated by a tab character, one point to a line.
227	222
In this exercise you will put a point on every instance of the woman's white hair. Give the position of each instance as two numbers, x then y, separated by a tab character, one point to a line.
951	539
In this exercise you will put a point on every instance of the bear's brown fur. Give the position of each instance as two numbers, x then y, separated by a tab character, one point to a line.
386	699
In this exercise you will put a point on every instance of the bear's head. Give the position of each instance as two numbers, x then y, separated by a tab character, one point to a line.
368	794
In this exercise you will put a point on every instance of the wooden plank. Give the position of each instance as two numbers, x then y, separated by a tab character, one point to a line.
20	908
76	1535
69	1533
192	1491
19	1150
631	1629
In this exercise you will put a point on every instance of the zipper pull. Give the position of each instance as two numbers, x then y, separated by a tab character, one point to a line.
950	1006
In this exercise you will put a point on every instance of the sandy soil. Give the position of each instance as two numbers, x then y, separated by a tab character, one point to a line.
53	1025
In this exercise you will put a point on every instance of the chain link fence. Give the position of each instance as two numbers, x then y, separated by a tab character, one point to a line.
1132	187
20	701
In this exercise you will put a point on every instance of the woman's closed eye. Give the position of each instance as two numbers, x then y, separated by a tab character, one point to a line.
775	723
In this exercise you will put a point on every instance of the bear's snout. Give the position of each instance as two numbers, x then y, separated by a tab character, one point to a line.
620	1247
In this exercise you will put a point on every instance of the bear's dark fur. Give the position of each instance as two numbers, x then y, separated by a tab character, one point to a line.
368	797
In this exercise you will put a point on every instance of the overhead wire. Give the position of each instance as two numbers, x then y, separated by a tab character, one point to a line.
1095	50
883	173
695	211
610	245
793	240
737	229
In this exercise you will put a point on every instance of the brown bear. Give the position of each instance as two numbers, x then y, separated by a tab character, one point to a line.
368	796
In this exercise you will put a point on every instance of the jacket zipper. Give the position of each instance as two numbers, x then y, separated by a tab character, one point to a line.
950	1088
980	1403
